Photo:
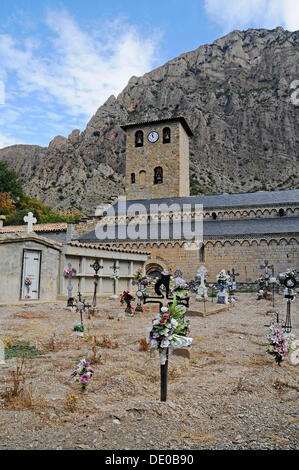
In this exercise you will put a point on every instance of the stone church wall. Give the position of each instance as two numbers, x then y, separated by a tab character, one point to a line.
245	255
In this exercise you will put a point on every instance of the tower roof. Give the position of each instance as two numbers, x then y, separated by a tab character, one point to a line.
181	119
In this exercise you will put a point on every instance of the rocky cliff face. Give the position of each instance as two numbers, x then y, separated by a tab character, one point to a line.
234	93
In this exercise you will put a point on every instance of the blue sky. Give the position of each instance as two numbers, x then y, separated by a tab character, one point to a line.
61	59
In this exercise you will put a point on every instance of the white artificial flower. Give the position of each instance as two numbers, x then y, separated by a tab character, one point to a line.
154	343
174	323
164	343
164	309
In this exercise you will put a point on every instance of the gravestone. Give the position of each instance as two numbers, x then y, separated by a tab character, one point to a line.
30	220
202	291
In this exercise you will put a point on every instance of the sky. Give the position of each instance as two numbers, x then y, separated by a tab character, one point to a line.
60	60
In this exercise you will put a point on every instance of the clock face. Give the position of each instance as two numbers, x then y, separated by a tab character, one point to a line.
153	136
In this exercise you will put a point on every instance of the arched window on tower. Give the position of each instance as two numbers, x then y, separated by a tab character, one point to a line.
166	135
142	178
133	178
139	139
158	175
214	215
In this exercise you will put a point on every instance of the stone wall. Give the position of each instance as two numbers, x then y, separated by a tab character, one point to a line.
245	255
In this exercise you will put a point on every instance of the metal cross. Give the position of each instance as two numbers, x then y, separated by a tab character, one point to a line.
266	267
233	276
96	266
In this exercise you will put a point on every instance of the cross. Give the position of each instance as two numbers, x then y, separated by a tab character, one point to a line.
30	220
233	276
266	275
96	266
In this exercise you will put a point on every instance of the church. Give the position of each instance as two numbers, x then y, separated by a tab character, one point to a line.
238	231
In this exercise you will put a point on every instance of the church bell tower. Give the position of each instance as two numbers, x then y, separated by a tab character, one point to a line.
157	159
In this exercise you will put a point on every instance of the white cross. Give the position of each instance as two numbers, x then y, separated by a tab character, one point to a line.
30	220
202	271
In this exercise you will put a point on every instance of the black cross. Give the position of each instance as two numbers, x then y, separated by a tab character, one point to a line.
96	266
164	280
233	274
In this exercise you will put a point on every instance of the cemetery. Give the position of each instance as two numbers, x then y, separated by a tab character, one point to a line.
138	372
134	341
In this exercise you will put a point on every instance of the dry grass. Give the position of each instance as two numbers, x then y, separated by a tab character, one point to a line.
106	342
71	402
144	345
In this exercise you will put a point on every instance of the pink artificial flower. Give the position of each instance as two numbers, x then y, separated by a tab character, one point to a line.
84	379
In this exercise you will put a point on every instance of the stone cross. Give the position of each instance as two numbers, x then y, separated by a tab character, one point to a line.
202	290
30	220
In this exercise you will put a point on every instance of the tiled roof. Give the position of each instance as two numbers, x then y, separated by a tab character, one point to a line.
106	248
219	228
260	198
55	227
181	119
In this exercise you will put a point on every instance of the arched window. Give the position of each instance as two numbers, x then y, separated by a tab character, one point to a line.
202	255
158	175
139	139
133	178
142	177
214	215
166	135
281	213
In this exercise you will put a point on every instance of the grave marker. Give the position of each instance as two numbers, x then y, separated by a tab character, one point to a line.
30	220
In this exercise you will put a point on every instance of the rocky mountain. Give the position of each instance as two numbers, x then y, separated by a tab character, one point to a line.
236	94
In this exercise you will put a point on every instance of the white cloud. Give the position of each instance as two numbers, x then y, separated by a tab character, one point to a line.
240	14
83	68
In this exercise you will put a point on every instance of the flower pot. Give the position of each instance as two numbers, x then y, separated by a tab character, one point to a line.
78	333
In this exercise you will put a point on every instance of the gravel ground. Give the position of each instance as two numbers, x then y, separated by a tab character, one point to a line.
229	394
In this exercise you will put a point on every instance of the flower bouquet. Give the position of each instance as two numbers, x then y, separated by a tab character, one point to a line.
278	343
223	280
138	275
28	281
169	330
83	374
178	286
69	272
115	277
